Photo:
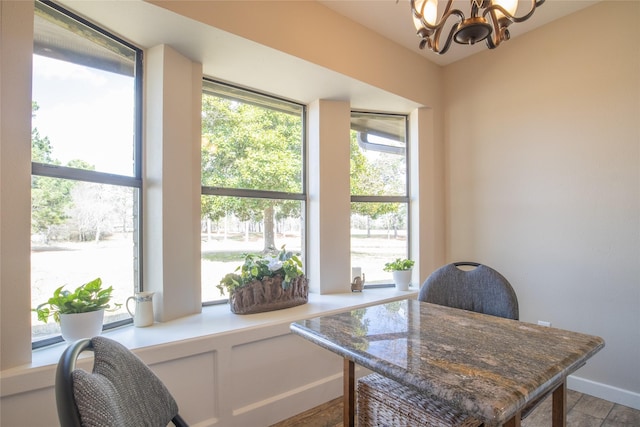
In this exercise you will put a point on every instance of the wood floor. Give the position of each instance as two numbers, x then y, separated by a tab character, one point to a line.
583	411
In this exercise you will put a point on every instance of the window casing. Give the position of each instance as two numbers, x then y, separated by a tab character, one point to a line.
379	193
86	162
253	179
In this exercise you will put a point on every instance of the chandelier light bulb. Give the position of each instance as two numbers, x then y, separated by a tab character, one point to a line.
429	11
510	6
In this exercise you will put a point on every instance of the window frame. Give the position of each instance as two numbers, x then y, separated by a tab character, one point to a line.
265	194
406	199
81	175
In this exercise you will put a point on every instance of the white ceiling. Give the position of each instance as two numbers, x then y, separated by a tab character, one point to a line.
393	20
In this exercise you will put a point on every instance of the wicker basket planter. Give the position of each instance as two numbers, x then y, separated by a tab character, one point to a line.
384	402
268	295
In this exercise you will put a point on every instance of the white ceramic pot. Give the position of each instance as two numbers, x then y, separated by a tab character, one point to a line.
81	325
402	279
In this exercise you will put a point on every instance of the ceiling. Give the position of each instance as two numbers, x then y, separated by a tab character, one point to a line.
392	19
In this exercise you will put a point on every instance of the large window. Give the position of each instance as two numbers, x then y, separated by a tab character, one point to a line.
379	193
86	171
253	179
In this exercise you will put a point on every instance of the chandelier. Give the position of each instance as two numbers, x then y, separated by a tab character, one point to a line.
488	20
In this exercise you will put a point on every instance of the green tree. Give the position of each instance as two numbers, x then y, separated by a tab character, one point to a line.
50	197
246	146
377	177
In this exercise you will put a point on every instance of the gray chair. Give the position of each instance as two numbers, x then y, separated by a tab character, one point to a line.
481	289
120	391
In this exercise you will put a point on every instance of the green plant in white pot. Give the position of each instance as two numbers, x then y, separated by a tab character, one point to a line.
401	269
80	313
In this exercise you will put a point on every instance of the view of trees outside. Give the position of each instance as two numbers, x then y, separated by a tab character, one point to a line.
253	198
224	243
252	146
79	231
375	242
82	225
83	230
252	175
379	216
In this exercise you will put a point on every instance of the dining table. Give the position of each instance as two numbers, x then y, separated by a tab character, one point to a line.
484	366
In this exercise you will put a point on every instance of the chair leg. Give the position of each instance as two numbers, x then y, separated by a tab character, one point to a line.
178	421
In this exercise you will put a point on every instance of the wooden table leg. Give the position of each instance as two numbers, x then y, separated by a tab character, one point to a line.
559	406
515	421
348	378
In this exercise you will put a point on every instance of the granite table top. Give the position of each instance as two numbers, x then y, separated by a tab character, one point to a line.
485	366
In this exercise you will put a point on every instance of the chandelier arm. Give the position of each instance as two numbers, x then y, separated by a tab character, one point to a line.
495	38
445	16
434	44
448	7
432	33
497	34
447	44
496	7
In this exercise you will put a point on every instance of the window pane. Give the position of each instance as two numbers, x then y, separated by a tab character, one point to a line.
252	179
378	155
379	214
83	86
234	226
84	224
378	235
250	142
81	231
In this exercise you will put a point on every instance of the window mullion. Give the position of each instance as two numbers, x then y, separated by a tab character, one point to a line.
56	171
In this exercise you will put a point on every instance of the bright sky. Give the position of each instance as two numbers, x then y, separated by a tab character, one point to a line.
86	113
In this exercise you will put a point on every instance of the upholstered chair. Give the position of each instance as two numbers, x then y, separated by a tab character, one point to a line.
481	289
120	391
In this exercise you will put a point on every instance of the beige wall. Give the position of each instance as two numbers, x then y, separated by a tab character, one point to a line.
300	29
16	27
543	179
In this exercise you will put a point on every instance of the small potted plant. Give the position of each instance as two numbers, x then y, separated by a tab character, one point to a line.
80	313
265	283
402	270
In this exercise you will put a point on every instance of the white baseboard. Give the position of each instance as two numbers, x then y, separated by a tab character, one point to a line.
603	391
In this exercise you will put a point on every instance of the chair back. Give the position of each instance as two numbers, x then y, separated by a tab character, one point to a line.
120	391
481	289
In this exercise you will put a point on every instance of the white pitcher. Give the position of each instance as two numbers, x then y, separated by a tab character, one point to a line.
143	315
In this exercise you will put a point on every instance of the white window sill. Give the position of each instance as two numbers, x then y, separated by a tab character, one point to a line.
218	319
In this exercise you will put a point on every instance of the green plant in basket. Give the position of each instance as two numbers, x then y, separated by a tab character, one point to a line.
85	298
399	264
257	267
